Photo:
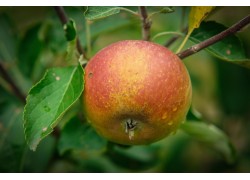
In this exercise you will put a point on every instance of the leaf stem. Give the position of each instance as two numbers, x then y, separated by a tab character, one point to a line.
167	33
64	19
164	10
212	40
12	84
146	23
183	42
88	37
128	10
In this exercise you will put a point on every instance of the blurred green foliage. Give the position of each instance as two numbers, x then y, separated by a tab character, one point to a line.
32	39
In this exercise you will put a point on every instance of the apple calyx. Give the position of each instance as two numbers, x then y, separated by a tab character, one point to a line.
130	127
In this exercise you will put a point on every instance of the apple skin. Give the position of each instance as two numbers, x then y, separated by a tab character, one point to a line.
138	81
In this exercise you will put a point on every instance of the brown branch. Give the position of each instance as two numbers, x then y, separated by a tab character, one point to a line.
61	14
13	86
231	30
146	23
64	19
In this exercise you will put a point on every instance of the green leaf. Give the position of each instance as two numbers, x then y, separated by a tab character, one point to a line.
166	10
8	42
70	33
193	114
54	39
40	160
70	30
108	25
71	51
11	133
94	13
212	136
49	99
228	49
29	50
81	136
134	157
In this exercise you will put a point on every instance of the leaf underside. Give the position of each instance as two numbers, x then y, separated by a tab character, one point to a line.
211	136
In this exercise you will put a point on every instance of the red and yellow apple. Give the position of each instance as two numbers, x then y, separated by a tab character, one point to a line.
136	92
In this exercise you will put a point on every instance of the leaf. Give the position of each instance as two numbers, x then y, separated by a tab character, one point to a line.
212	136
11	133
8	43
49	99
166	10
197	15
29	50
229	49
71	51
70	33
54	40
81	136
94	13
40	160
134	157
70	30
108	25
193	114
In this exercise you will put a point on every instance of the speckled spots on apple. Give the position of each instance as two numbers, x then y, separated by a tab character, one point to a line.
140	82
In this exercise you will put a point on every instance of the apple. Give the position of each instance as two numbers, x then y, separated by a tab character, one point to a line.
136	92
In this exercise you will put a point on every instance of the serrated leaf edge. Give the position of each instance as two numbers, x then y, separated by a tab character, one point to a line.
115	7
52	125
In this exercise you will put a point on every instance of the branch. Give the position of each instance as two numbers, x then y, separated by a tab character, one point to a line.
231	30
13	86
146	23
64	19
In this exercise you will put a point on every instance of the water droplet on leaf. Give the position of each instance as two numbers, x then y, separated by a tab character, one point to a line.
46	108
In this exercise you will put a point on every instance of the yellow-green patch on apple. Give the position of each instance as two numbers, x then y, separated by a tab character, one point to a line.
136	92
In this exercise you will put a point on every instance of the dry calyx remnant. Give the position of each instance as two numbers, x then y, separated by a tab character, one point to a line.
143	80
130	126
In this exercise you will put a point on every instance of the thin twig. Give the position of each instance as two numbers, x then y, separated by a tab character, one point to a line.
88	37
146	23
174	38
12	84
64	19
61	14
231	30
171	40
